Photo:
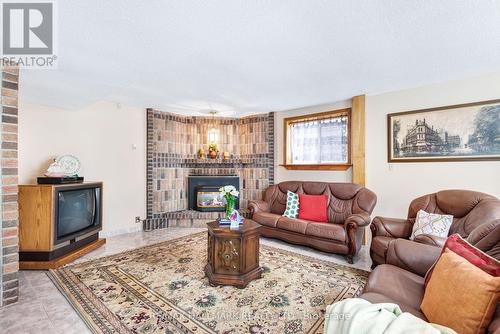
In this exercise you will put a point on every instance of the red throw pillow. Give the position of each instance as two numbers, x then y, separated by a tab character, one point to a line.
459	246
313	207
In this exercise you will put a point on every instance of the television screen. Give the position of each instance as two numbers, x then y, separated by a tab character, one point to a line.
77	210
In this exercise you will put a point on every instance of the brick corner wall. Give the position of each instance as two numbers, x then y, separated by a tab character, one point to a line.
9	242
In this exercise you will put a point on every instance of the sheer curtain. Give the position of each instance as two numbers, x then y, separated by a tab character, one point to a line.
305	142
319	141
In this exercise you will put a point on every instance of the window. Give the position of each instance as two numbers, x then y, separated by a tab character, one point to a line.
318	141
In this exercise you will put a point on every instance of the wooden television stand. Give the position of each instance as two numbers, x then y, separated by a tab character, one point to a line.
38	246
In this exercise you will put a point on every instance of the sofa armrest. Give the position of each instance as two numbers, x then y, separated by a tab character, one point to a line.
391	227
412	256
360	219
429	239
258	206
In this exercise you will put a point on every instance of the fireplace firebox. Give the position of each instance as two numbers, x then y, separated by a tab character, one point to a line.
208	197
203	191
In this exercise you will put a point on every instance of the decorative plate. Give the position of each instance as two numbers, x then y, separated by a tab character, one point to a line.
69	164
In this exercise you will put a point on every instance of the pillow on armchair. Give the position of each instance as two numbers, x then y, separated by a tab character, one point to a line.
431	223
459	246
460	295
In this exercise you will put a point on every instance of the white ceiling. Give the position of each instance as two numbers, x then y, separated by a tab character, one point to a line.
250	56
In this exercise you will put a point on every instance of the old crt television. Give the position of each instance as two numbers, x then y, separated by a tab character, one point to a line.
57	219
77	211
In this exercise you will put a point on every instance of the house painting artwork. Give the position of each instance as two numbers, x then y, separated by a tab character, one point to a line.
453	133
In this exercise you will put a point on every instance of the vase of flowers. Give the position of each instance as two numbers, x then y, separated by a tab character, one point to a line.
230	194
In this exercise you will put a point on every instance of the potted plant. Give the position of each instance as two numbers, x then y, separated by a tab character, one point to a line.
212	150
230	194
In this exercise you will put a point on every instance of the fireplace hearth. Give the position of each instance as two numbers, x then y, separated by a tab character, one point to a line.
203	192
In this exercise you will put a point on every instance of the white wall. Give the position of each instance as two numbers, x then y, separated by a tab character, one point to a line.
102	137
281	173
397	184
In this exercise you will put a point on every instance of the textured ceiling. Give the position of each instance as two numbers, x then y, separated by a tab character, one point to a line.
243	57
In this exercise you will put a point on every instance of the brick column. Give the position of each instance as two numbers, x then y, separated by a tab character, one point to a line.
9	180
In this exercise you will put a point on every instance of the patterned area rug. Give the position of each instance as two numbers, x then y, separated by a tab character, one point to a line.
161	288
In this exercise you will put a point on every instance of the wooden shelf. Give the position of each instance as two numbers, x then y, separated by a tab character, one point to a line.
61	261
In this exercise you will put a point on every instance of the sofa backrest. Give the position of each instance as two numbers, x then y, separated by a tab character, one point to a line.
468	208
486	237
345	199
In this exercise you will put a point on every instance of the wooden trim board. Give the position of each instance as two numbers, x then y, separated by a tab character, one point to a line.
358	140
358	144
61	261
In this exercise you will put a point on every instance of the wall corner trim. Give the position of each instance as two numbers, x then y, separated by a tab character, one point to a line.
358	139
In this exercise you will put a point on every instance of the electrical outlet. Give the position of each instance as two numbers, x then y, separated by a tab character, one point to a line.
138	220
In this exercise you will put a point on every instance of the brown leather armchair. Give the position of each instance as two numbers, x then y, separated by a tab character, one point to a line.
401	279
473	218
349	209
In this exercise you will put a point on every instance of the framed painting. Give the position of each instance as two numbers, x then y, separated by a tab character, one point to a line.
453	133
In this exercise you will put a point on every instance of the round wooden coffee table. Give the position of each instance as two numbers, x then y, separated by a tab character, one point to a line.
233	254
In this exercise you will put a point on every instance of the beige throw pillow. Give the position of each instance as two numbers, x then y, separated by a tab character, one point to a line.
431	223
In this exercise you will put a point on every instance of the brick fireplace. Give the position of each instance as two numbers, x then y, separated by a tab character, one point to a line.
172	144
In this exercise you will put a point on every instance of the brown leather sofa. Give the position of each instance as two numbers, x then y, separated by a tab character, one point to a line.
349	209
470	210
401	279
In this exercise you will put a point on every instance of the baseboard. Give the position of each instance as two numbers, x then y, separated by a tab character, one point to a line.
112	233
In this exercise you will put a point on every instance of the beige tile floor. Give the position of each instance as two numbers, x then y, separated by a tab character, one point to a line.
42	309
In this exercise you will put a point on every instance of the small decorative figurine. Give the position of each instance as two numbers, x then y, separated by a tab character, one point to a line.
55	170
225	155
235	219
201	153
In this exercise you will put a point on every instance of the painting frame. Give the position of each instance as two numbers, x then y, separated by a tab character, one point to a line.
437	158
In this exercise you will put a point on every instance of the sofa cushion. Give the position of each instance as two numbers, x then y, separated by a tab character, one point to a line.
266	218
404	287
461	296
313	207
291	224
328	231
292	205
459	246
431	224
